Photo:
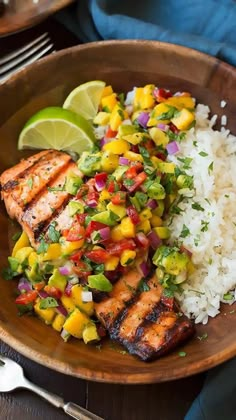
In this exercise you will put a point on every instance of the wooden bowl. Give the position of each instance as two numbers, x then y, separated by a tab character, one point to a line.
124	64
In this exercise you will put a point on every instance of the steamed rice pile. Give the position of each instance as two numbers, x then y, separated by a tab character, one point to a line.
207	218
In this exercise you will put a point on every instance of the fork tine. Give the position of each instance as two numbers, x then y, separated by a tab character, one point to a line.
12	64
19	51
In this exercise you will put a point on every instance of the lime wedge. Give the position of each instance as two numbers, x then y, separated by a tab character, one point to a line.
84	100
57	128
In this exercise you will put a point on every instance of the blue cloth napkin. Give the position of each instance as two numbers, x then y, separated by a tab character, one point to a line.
208	26
205	25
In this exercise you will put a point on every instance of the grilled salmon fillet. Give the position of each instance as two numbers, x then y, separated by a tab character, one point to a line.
146	323
33	191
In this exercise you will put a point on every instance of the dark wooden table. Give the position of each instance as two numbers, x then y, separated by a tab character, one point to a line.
168	401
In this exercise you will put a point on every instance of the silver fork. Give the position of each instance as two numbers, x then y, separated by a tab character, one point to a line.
12	377
25	55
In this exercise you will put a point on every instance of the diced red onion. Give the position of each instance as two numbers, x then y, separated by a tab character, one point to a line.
61	310
100	183
152	204
87	296
43	294
172	148
154	239
142	239
68	288
24	285
103	235
103	141
143	119
145	269
123	161
65	335
162	126
92	202
65	270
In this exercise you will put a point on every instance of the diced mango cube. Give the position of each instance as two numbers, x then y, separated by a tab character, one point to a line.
127	228
163	232
76	296
109	102
127	257
118	147
120	211
33	258
135	138
111	263
23	253
53	252
107	91
138	93
46	314
67	247
117	116
181	102
58	322
147	99
166	167
90	333
145	214
104	195
22	242
76	323
159	109
144	226
184	119
158	136
156	221
102	118
134	157
68	303
109	162
116	233
155	161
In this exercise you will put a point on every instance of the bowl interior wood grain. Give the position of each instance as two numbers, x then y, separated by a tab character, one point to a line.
124	64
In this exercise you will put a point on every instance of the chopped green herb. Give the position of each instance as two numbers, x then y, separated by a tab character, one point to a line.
121	97
182	353
143	286
197	206
210	168
30	182
195	143
23	309
48	302
173	112
185	231
196	240
16	236
210	261
54	189
208	201
186	162
128	182
121	114
203	154
228	296
106	109
226	195
204	225
202	337
8	273
43	246
53	234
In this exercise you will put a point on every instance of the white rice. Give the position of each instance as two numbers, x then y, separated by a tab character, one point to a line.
213	247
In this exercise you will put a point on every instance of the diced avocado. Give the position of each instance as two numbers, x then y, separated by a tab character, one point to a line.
159	210
33	274
118	173
73	183
125	130
14	265
57	280
75	207
135	203
99	282
120	211
162	231
156	191
142	198
90	333
90	163
109	162
106	217
76	296
171	260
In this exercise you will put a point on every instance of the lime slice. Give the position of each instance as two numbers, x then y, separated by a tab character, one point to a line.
84	100
57	128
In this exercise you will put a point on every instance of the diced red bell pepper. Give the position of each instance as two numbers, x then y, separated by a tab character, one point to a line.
110	134
76	233
82	269
161	94
134	148
39	286
92	199
168	301
137	181
93	227
119	198
26	298
111	186
53	291
117	248
131	173
98	256
133	214
161	156
76	257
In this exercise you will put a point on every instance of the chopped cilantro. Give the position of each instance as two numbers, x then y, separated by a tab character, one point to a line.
182	353
210	168
185	231
196	240
208	201
30	182
143	286
128	182
172	112
195	143
186	162
16	236
197	206
8	273
23	309
203	154
226	195
121	97
121	114
59	188
48	302
202	337
43	246
53	234
228	296
106	109
204	225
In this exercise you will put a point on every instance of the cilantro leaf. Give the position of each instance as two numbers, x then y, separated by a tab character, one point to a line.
53	234
143	286
8	273
48	302
43	246
203	154
197	206
186	162
204	225
185	231
172	112
16	236
210	168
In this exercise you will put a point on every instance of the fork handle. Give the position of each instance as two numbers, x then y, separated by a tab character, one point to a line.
70	408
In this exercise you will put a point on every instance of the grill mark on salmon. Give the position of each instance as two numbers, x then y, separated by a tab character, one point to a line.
142	322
